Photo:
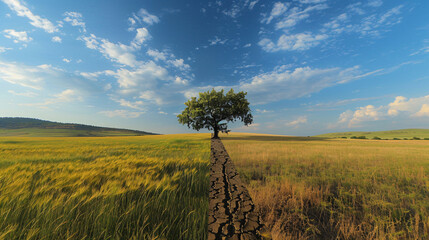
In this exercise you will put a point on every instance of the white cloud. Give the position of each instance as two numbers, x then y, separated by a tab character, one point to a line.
402	104
27	76
66	60
56	39
180	64
23	94
375	3
181	81
216	40
252	4
151	96
296	15
401	107
311	1
297	42
17	36
135	105
68	95
35	20
157	55
75	19
118	52
263	111
141	36
283	83
145	76
233	11
423	112
121	113
247	45
278	9
299	121
4	49
163	113
142	16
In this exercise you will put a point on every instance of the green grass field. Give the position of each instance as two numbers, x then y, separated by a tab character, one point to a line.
400	134
148	187
315	188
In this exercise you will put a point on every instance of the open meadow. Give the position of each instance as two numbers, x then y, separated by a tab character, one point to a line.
311	188
146	187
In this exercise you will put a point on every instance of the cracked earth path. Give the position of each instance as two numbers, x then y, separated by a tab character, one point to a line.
232	214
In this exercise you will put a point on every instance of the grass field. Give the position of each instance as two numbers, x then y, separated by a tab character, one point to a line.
148	187
399	134
311	188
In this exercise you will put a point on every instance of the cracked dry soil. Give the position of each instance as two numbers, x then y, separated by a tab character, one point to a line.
232	214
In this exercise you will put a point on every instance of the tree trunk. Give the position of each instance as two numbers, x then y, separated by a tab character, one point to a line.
216	133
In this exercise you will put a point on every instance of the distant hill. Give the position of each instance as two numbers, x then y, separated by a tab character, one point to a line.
400	134
30	127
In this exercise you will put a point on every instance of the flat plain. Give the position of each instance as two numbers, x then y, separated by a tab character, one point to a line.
145	187
318	188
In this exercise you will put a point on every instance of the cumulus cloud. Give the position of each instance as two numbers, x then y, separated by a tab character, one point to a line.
157	55
401	107
297	42
403	104
17	36
56	39
121	113
35	20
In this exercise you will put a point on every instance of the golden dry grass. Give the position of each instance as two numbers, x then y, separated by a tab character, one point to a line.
150	187
314	188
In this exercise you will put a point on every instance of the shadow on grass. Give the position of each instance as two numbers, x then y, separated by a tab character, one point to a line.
272	138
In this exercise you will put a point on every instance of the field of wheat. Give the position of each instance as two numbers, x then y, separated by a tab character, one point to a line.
149	187
310	188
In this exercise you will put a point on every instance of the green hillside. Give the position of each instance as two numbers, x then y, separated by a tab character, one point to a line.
400	134
29	127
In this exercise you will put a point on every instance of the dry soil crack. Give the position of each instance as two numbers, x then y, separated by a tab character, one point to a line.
232	214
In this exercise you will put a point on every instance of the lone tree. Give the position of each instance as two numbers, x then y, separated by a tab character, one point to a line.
213	110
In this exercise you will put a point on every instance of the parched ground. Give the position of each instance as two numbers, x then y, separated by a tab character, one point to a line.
232	214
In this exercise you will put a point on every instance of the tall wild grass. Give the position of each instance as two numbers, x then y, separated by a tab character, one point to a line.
150	187
308	188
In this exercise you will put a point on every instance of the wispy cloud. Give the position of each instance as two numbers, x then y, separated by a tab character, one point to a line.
21	10
121	113
75	19
56	39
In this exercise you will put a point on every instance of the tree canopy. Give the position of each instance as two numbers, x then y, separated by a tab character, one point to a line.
214	109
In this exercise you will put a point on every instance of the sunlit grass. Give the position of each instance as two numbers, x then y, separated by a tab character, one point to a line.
150	187
309	188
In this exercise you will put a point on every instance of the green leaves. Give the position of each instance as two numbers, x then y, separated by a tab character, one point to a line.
213	110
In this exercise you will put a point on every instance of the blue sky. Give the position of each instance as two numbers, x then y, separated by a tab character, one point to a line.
309	66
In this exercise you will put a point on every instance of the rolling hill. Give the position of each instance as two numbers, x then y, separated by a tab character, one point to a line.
30	127
400	134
